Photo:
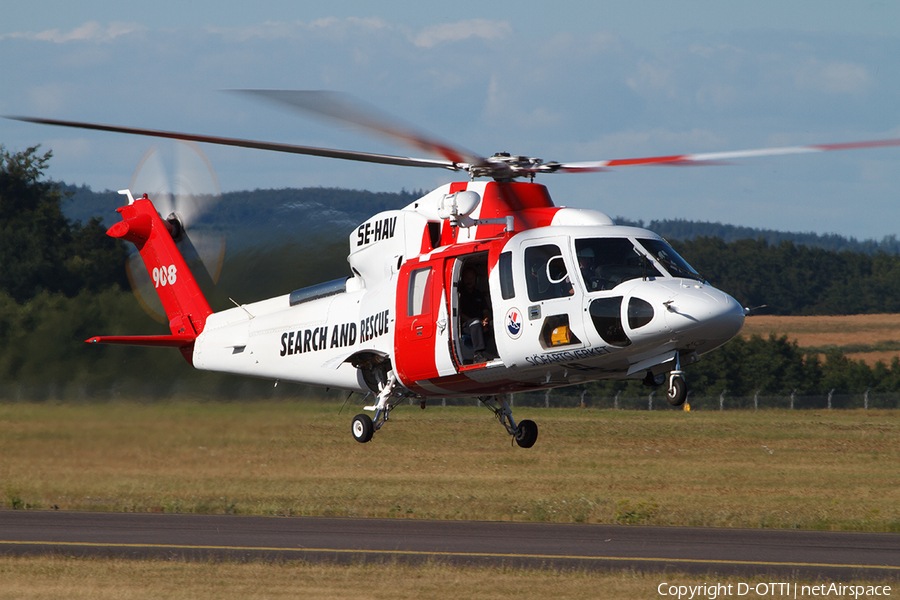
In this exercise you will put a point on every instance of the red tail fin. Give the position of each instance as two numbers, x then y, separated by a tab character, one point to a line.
185	306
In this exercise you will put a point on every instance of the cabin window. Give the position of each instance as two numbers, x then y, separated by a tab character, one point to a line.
640	313
419	284
546	273
507	290
606	313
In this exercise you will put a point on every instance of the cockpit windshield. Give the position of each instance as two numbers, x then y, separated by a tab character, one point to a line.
606	262
669	259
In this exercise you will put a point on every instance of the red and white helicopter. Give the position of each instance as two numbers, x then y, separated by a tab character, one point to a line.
478	288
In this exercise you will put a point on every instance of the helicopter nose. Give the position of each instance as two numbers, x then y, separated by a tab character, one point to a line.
705	312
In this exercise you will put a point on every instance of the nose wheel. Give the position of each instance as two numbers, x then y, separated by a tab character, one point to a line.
676	392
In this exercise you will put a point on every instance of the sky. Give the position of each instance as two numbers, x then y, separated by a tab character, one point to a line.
578	81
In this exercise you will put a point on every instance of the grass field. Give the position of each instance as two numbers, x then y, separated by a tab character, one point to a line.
772	468
861	337
822	469
98	579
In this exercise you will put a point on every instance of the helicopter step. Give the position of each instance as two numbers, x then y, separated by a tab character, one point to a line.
525	433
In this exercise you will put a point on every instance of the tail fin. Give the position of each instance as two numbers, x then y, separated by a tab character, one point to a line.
186	308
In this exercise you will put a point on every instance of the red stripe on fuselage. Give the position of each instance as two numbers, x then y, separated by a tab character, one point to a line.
529	202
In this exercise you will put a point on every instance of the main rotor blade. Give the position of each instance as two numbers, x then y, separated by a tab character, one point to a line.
386	159
345	108
718	157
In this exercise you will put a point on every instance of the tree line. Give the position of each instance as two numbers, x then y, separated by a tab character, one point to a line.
773	366
683	230
788	279
62	281
40	249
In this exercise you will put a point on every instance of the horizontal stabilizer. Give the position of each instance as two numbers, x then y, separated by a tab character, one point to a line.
171	341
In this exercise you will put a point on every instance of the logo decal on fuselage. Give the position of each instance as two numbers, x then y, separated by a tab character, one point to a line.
566	356
514	323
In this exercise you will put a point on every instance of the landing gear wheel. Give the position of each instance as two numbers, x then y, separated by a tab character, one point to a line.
677	391
362	428
526	433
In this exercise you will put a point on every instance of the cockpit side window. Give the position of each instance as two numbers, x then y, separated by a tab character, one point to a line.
606	262
669	259
546	271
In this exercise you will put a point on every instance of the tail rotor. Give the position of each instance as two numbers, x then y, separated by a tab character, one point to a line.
181	199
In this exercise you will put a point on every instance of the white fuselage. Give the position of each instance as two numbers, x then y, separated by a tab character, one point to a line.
559	337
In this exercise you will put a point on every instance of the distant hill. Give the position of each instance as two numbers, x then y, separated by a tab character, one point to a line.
263	217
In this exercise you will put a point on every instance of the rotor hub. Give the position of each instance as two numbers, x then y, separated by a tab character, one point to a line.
504	166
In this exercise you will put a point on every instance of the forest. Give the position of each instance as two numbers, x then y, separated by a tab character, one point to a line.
62	281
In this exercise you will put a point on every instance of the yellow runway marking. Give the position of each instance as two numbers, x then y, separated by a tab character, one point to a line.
436	554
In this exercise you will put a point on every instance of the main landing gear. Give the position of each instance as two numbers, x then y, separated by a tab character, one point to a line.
525	433
363	427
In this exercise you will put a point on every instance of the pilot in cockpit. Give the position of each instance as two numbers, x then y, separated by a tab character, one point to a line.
589	269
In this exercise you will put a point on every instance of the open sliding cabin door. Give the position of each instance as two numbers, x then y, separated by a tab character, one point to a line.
472	349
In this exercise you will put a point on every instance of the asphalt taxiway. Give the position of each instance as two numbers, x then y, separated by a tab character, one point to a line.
815	554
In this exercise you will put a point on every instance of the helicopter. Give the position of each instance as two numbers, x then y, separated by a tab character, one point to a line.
478	288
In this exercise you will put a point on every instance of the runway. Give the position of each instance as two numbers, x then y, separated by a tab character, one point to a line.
814	554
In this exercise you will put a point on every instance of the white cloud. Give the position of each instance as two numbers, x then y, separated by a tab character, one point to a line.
839	77
50	98
454	32
501	106
91	31
717	95
652	78
276	30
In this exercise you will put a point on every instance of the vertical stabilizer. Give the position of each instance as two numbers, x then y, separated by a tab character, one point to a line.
186	307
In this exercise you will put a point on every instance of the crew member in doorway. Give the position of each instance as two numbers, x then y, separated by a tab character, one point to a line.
475	312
